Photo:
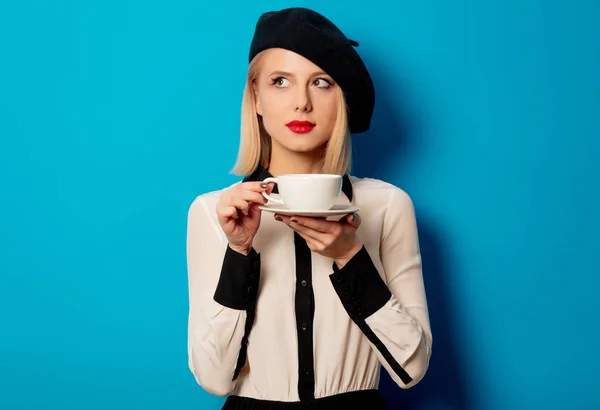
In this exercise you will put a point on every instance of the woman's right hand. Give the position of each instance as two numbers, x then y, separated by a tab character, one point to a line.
238	213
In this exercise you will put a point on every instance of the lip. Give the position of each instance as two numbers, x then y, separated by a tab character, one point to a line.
300	127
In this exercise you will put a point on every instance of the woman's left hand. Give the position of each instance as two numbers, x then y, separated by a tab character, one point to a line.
334	239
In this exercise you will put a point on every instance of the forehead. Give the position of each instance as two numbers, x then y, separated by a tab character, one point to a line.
279	59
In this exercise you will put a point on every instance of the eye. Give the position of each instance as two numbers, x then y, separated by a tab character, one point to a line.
322	83
280	82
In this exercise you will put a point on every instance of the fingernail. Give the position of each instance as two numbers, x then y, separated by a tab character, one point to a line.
278	218
294	220
354	217
264	185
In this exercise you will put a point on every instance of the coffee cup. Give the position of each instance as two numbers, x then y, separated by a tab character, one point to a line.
306	192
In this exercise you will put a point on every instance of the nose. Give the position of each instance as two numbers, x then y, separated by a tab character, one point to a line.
303	103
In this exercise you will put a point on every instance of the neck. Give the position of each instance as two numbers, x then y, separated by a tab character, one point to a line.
286	162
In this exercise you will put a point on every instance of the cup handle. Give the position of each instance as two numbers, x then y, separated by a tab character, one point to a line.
267	196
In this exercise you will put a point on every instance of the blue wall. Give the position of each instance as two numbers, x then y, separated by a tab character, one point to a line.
115	115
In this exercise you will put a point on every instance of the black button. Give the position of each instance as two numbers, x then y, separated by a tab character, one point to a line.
250	289
257	264
304	327
346	290
303	283
306	372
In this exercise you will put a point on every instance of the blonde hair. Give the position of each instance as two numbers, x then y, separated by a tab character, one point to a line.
255	142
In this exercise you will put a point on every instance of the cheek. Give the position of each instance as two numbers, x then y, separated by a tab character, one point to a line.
327	110
273	109
269	113
272	105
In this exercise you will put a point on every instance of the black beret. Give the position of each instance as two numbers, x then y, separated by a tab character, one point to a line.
314	37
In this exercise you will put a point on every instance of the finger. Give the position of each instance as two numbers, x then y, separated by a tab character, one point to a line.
313	244
305	231
246	192
251	196
228	225
254	208
256	186
254	197
226	212
240	204
320	225
353	219
270	187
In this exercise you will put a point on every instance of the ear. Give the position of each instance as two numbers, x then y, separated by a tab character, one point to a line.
256	99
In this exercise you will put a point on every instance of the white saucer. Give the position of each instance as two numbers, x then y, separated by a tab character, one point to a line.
335	210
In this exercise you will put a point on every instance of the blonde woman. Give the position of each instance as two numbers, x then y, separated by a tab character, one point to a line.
291	311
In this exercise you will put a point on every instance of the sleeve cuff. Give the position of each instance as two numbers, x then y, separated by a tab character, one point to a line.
238	283
359	286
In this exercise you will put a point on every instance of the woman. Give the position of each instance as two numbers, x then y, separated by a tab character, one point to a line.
299	312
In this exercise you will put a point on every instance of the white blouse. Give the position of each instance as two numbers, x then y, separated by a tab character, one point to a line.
286	324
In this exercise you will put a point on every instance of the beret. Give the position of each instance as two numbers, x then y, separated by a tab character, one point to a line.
317	39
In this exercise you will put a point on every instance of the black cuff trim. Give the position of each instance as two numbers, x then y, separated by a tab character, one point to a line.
359	286
399	370
363	292
238	283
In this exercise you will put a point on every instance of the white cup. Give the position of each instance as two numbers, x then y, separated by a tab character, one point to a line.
307	192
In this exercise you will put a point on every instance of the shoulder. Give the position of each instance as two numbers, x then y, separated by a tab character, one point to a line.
382	192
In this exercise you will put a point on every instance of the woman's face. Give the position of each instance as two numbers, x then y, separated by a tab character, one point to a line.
289	88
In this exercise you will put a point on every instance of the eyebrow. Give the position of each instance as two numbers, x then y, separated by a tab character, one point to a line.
286	74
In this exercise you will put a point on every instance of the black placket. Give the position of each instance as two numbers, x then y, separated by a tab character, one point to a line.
305	311
304	299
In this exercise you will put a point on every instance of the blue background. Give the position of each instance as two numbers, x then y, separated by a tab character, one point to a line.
114	115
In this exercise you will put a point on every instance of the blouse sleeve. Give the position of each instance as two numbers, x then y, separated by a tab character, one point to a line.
222	287
391	308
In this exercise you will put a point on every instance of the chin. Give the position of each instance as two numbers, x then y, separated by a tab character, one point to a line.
303	146
303	142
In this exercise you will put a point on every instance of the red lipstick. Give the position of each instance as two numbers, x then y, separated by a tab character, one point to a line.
300	127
